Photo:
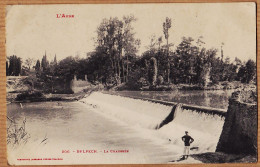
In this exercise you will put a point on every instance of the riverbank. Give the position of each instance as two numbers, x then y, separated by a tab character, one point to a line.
220	157
215	157
25	87
171	87
35	96
141	117
21	89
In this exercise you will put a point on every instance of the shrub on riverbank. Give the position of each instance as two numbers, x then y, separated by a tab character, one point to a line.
246	96
16	133
30	96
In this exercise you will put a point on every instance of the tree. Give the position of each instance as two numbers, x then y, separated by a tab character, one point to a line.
38	65
153	71
222	52
159	41
250	70
67	68
187	54
44	63
28	62
202	67
241	75
55	60
216	72
166	27
98	68
247	72
15	65
238	62
116	40
6	66
130	43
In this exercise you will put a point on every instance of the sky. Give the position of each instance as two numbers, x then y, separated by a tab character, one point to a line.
33	29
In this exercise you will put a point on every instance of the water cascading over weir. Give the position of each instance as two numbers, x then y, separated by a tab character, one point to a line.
168	119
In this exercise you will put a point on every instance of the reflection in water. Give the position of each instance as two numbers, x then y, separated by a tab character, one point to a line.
215	98
44	111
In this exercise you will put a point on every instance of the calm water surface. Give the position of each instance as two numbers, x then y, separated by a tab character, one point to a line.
211	98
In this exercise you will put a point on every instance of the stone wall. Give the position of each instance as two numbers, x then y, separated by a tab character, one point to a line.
239	134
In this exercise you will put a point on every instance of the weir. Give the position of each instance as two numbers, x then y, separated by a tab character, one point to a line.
169	120
208	110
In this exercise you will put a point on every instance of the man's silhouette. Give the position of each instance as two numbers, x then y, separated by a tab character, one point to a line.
187	141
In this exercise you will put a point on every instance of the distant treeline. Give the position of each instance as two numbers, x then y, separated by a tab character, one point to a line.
115	61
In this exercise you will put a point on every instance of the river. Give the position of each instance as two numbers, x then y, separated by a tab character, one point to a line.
74	126
209	98
56	127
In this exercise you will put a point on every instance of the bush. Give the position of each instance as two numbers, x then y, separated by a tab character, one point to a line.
248	96
31	96
16	134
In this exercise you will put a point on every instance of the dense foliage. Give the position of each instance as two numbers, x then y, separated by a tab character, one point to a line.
14	66
115	62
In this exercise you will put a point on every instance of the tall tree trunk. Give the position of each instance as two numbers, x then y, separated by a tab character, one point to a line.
122	64
159	53
123	69
127	69
168	64
119	70
115	66
112	64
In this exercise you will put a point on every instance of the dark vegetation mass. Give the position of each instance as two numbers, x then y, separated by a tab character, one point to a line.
115	63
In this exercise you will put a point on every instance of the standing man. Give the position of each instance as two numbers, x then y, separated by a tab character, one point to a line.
187	141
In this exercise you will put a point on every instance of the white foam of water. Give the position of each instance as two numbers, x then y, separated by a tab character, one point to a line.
135	112
204	128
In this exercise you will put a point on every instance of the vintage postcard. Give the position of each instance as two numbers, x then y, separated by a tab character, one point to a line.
162	83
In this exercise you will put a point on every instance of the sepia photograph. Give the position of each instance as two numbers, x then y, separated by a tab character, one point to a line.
147	83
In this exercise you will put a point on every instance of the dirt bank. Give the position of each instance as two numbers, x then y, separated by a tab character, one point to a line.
218	157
